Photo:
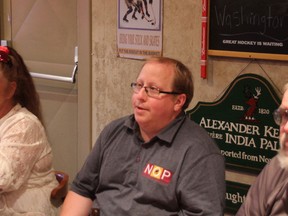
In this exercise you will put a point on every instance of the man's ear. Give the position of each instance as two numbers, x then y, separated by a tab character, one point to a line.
180	101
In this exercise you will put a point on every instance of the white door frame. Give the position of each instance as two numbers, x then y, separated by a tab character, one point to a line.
84	80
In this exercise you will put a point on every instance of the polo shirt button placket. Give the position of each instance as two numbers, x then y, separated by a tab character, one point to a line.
138	158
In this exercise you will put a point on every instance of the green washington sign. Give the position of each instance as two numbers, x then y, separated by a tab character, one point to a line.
241	122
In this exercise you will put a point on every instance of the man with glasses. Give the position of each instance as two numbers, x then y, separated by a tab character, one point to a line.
156	162
269	194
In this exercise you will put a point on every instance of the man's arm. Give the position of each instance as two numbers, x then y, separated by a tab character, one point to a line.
76	204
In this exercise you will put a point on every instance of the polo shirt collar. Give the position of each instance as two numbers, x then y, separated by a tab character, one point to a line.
167	134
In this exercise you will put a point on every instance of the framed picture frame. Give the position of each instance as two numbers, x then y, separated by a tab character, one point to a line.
248	29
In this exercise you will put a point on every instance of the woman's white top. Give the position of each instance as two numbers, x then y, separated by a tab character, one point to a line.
26	172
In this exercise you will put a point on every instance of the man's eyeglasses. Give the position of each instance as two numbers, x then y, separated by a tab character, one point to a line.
151	91
280	116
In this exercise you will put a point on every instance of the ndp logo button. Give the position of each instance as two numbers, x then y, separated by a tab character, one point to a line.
157	173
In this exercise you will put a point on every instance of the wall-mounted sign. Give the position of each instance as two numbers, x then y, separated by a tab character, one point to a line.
241	123
139	33
235	196
248	29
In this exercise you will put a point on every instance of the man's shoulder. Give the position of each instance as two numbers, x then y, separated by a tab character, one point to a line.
195	130
197	137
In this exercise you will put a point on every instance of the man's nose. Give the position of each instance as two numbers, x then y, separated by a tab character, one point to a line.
142	92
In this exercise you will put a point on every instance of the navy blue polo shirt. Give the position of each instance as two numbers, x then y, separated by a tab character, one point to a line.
179	172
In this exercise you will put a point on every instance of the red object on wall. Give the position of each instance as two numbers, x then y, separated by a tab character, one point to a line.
204	40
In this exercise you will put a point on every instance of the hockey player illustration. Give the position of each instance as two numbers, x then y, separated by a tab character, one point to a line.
140	7
130	4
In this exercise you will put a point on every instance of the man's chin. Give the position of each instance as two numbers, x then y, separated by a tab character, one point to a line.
283	152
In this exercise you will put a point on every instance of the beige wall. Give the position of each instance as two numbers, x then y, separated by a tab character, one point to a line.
111	75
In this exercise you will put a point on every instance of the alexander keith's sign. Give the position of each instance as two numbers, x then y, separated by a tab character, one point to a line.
241	123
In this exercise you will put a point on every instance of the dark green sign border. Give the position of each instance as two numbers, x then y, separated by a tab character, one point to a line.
242	124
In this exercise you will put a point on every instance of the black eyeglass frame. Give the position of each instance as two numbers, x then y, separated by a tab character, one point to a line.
134	87
279	115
